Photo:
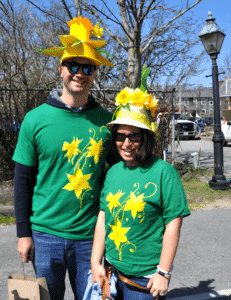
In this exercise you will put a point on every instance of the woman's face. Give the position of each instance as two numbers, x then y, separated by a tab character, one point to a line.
128	142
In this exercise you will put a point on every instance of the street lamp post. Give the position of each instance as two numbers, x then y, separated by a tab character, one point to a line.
212	38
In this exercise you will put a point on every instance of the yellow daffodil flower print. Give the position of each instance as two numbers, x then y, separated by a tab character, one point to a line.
135	204
118	234
95	149
72	148
78	183
114	200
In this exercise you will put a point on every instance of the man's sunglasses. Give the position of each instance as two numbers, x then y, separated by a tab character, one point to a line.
133	137
74	67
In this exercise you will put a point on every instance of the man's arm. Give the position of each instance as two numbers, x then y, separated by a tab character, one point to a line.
158	283
24	182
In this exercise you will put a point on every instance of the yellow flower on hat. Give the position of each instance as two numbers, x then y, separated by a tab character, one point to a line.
153	105
137	98
98	32
123	97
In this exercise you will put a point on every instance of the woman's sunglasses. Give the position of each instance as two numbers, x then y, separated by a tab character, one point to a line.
74	67
133	137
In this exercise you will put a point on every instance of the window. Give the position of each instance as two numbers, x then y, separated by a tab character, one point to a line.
210	102
211	111
202	102
203	111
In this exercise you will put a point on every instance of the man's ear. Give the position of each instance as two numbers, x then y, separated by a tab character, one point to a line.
60	70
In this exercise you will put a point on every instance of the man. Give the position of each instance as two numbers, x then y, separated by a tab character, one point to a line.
60	155
200	126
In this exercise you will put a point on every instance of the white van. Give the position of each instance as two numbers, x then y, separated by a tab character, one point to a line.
226	130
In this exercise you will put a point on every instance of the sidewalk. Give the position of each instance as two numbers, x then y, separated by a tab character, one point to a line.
201	267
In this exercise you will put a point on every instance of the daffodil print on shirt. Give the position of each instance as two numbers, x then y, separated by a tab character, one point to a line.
133	204
82	158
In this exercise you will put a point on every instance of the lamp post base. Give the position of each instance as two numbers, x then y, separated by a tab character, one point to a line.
219	182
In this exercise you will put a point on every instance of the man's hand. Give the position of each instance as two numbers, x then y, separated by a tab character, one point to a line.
26	248
158	285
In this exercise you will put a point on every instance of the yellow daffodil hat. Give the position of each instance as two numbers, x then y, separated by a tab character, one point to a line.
78	43
136	107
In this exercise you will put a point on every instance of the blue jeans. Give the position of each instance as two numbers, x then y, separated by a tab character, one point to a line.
128	292
54	255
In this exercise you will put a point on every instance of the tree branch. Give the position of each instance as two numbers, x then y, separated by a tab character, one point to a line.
78	8
124	18
67	9
168	23
93	12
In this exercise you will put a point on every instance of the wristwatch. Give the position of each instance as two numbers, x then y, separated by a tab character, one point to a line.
163	273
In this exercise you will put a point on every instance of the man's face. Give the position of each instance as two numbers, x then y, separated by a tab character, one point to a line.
77	83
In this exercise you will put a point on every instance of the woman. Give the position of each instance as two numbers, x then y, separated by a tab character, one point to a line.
142	205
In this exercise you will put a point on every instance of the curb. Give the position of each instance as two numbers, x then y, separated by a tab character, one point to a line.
7	210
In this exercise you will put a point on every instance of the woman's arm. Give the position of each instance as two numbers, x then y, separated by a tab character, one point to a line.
98	271
158	283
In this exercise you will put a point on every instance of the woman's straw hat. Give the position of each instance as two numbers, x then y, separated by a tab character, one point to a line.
136	107
78	43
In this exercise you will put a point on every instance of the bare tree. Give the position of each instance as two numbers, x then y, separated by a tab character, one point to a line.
146	31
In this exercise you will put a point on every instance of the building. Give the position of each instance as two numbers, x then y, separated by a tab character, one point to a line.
198	101
225	92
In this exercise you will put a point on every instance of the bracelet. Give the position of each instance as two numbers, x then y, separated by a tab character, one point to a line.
163	273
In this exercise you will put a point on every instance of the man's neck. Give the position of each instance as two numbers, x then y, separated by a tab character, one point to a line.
76	100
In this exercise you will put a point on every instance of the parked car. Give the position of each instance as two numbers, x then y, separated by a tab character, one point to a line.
226	130
185	128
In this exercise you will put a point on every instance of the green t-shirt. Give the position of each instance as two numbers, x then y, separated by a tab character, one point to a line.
70	150
138	203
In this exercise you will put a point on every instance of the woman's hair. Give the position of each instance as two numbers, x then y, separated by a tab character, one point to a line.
146	150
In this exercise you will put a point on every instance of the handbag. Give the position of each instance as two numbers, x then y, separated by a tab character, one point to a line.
21	287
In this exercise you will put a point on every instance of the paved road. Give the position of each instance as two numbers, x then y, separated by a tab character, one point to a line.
186	147
202	264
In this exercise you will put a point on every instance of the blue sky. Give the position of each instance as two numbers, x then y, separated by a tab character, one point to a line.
221	10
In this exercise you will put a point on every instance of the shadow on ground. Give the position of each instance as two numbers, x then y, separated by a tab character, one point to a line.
202	288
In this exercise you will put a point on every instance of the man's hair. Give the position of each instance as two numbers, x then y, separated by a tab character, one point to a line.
147	147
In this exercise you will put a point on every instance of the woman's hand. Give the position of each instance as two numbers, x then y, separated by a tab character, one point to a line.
158	285
98	272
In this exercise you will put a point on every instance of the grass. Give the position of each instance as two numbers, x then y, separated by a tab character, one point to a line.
195	183
197	189
7	220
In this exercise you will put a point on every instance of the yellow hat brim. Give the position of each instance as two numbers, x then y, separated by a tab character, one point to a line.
86	51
